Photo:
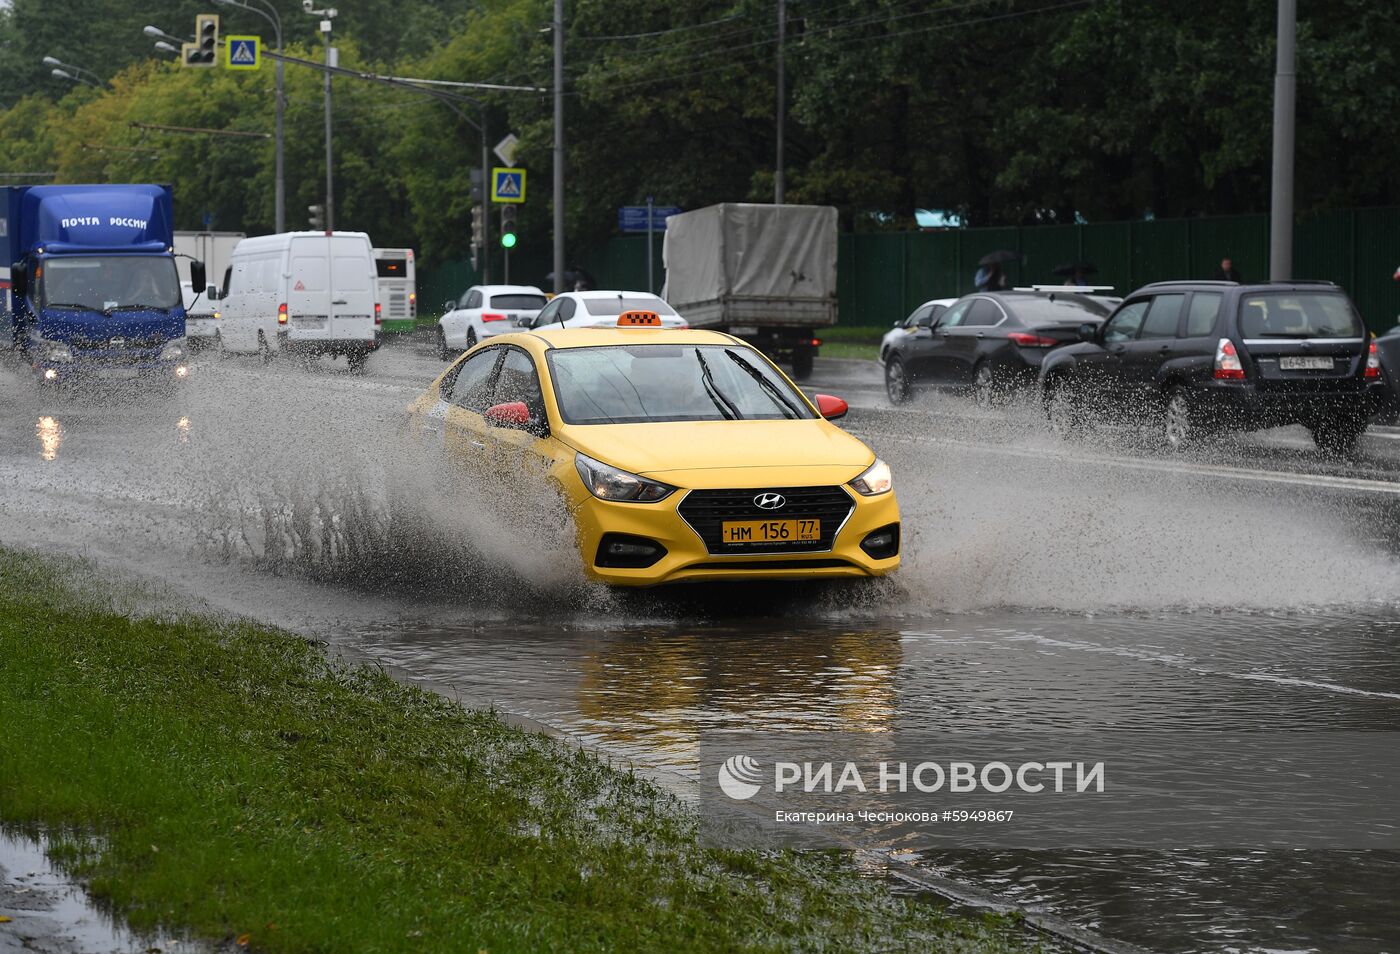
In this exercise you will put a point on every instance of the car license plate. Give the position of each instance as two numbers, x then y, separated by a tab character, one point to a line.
770	531
1305	363
309	323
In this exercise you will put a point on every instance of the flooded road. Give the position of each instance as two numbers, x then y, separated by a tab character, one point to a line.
1045	585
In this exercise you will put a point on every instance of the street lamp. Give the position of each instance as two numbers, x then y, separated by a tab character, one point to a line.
70	72
269	13
156	33
327	16
164	47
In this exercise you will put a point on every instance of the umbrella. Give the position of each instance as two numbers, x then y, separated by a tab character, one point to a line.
1076	268
999	257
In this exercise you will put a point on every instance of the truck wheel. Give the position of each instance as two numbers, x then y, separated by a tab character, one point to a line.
264	349
802	362
357	361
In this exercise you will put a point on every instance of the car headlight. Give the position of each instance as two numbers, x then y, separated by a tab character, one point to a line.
609	483
875	480
57	353
173	350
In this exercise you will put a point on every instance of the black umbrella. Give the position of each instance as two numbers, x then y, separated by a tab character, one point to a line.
1076	268
999	257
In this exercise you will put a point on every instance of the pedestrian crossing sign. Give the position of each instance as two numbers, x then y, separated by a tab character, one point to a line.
507	185
244	52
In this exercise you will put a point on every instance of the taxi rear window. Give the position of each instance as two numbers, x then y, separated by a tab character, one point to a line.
616	306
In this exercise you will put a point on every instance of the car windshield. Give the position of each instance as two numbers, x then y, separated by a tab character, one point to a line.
616	305
520	302
110	282
1299	315
627	384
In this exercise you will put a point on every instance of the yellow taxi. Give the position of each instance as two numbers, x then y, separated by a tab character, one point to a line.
681	454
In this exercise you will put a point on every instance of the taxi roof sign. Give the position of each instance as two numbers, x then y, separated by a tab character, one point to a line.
639	319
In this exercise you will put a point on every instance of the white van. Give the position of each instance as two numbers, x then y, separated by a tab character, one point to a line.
308	293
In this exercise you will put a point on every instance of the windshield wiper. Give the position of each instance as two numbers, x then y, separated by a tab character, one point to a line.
137	308
726	406
790	409
70	304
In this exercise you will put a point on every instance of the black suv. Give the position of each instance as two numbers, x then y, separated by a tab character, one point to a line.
1200	356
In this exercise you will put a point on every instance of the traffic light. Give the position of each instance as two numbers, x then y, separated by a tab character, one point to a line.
318	217
204	51
478	226
478	186
507	226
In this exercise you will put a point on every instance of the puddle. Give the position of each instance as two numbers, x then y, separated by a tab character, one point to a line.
49	912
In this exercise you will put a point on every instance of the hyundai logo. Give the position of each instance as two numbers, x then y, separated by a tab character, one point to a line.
770	501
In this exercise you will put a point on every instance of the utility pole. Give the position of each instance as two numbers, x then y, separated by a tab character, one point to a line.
269	13
558	145
330	168
779	185
650	242
1285	96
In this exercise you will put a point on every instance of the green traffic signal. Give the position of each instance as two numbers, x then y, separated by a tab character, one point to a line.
508	240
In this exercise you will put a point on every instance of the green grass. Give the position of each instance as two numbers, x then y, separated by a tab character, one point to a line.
227	779
852	341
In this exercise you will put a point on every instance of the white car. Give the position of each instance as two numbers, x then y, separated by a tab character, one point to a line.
485	311
922	317
599	309
199	316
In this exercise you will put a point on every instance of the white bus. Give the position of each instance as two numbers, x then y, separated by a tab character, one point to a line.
398	289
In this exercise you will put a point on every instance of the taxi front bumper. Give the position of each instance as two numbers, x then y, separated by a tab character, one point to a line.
663	546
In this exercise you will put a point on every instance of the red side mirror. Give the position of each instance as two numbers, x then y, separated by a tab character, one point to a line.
830	407
510	414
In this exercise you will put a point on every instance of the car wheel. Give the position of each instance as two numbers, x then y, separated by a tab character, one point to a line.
987	391
471	338
220	348
1338	436
444	353
1180	426
896	380
1064	408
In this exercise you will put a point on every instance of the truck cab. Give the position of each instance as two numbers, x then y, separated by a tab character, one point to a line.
94	289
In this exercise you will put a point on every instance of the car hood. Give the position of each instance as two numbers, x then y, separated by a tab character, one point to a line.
722	453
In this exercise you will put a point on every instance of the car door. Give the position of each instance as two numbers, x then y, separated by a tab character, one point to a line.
973	339
1144	358
1100	368
467	396
517	458
925	350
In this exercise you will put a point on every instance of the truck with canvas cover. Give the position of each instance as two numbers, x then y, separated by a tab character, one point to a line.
766	273
94	289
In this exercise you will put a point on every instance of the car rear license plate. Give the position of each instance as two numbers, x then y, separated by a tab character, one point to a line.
1305	363
770	531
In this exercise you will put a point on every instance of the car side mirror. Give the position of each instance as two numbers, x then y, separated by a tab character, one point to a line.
1088	331
213	293
19	279
512	414
448	306
831	408
199	278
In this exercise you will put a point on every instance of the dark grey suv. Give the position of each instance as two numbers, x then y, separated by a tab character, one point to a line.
1193	357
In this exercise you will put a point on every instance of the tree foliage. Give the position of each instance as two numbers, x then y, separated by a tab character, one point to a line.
1002	111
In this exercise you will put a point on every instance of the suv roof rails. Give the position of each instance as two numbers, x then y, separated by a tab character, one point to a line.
1066	289
1193	281
1300	281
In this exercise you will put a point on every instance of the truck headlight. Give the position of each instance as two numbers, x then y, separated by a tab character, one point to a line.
609	483
874	480
56	352
173	350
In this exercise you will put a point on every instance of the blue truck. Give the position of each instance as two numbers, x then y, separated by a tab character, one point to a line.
93	290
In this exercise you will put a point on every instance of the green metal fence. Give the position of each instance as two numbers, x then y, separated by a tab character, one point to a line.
883	276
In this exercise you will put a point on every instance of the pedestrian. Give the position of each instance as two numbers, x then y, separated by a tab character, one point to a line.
1228	272
990	278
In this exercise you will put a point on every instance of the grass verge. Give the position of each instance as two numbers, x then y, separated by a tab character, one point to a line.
226	778
852	341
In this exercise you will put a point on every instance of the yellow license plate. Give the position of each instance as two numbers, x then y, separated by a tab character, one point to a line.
770	531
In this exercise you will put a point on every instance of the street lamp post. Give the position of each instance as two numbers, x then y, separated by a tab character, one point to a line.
327	15
271	16
1281	197
558	145
68	71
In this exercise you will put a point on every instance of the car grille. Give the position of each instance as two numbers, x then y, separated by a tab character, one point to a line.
706	510
127	341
